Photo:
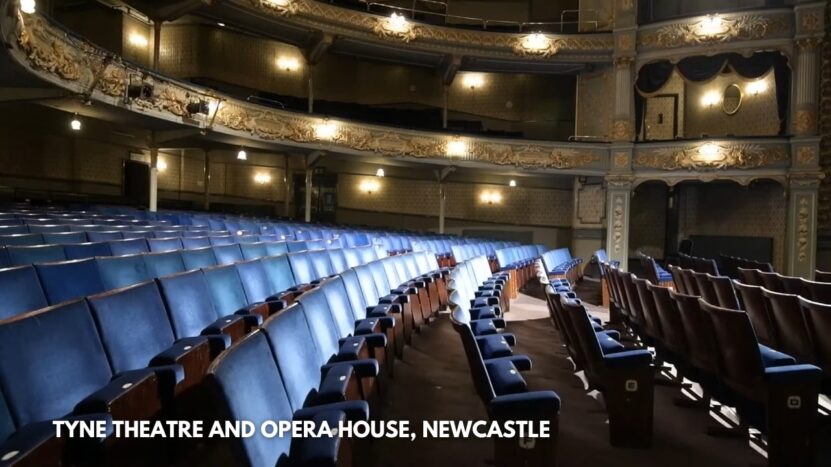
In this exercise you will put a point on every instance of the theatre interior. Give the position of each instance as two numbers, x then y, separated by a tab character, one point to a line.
609	218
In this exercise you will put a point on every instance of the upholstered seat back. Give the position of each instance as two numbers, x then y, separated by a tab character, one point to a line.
68	280
25	255
188	302
129	246
198	258
159	245
253	250
190	243
279	273
20	291
122	271
324	330
86	250
254	281
227	254
227	292
61	238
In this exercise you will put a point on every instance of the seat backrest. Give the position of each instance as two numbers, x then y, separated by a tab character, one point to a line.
20	291
279	273
677	280
198	258
291	341
705	287
725	292
49	361
276	248
789	326
253	250
161	245
357	298
341	306
818	317
771	281
188	301
86	250
254	280
672	327
122	271
61	238
250	388
698	329
756	307
133	325
227	292
368	285
632	299
24	255
740	357
302	267
478	370
794	286
324	330
163	264
22	239
129	247
585	334
221	240
750	276
650	314
353	257
69	280
817	291
190	243
321	264
337	258
690	284
227	254
104	236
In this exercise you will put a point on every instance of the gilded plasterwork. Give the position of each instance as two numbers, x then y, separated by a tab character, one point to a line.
618	208
284	8
524	48
708	31
805	122
806	155
385	30
803	219
622	130
734	156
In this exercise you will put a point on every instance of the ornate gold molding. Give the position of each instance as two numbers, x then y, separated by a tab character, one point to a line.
803	221
711	156
536	45
805	122
279	8
622	130
388	29
714	29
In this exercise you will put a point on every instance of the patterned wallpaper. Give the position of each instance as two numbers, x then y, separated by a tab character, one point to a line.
595	103
730	209
647	220
756	117
519	206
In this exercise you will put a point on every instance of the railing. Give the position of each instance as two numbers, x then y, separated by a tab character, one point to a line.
414	13
651	11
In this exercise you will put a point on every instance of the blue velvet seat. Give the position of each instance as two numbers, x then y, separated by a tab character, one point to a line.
228	294
227	254
69	280
198	258
86	250
190	243
276	248
137	234
104	236
253	250
129	246
161	245
20	291
220	240
192	312
60	238
23	255
23	239
136	332
122	271
163	264
41	228
280	275
250	387
53	367
302	267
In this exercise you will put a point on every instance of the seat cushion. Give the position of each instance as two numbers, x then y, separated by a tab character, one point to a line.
505	378
494	346
772	357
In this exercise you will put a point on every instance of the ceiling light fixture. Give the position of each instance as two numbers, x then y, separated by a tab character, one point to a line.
28	6
326	129
512	183
379	173
222	25
75	124
242	155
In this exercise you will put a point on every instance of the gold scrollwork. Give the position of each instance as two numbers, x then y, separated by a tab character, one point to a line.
734	156
714	30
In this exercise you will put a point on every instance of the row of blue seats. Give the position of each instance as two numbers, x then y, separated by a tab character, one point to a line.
495	369
26	288
560	263
444	246
104	357
468	251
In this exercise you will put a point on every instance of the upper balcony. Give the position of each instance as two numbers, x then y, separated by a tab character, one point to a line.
653	11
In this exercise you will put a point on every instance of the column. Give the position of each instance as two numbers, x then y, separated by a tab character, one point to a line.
618	199
441	207
154	179
802	224
157	43
289	181
308	194
806	67
625	35
206	182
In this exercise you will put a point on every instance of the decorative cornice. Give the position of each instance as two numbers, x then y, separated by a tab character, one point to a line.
718	29
79	67
366	26
712	156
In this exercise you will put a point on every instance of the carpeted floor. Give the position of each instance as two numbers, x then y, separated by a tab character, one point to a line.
433	383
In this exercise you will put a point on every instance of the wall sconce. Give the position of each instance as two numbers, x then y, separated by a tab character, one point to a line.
710	98
75	124
262	178
711	26
242	155
213	106
326	130
512	183
490	197
473	80
137	40
457	147
282	3
368	186
709	152
288	64
379	173
756	87
161	165
28	6
398	23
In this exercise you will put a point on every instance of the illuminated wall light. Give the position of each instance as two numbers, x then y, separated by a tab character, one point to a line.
757	87
490	197
709	152
288	64
473	80
242	155
536	42
368	186
28	6
512	183
711	25
161	165
710	98
213	106
75	124
137	40
379	173
222	25
397	23
262	178
326	130
457	148
278	2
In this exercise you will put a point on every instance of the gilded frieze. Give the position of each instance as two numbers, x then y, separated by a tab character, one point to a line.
711	157
714	29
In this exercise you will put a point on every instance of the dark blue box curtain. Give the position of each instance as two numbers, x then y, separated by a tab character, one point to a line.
653	76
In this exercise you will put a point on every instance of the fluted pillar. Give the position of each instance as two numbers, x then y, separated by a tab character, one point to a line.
801	237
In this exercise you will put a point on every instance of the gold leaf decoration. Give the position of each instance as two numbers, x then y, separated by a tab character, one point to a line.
734	156
746	27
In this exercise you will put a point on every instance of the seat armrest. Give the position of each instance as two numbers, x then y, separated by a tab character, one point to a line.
193	354
355	410
368	326
323	451
394	298
351	348
793	374
521	362
365	368
34	445
534	405
132	396
334	385
383	309
233	326
629	358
